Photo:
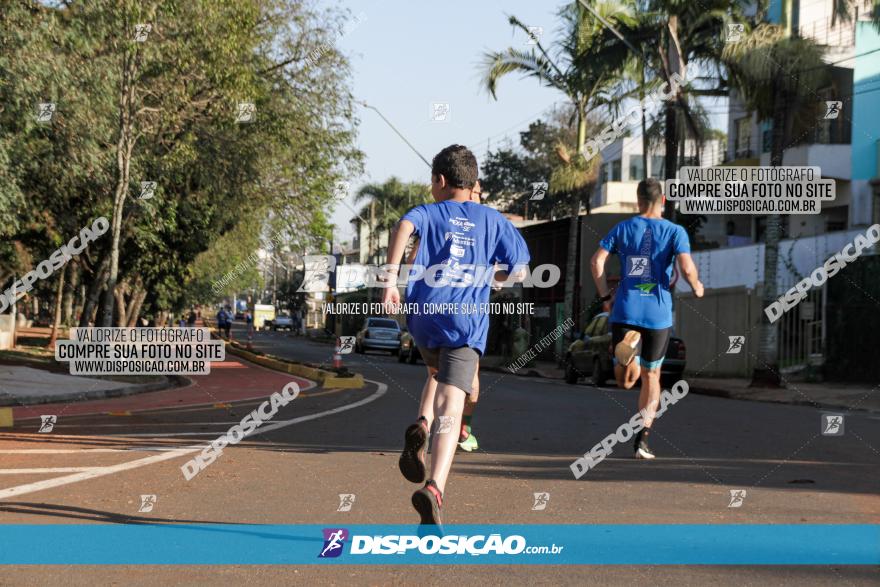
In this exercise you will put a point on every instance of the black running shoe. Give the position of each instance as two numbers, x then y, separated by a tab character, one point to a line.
643	451
412	459
428	500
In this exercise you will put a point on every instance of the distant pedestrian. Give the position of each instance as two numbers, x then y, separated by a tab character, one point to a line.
223	322
191	319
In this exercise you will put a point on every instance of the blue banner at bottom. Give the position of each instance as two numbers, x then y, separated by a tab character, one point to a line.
226	544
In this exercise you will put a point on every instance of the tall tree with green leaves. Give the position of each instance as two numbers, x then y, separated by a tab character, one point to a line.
774	72
582	65
386	203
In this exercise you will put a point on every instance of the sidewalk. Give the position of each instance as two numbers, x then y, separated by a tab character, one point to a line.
22	385
826	395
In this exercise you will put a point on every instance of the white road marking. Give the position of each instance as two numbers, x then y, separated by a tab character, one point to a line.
173	454
100	472
276	425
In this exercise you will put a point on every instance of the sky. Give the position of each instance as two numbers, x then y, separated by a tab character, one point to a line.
407	55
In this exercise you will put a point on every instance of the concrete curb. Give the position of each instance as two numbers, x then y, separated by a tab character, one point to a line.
327	379
789	401
170	382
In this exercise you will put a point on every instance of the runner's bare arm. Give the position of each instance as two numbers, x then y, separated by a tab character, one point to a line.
597	268
399	238
689	271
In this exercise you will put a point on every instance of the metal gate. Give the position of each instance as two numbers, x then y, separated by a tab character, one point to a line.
802	332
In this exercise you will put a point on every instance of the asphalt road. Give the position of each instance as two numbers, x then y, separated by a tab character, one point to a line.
529	430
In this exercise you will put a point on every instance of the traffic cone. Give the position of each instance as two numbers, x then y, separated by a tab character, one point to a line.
337	357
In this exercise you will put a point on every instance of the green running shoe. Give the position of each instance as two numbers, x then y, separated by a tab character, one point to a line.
469	444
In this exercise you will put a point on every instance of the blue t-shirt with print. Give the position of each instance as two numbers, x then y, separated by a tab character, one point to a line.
647	248
459	242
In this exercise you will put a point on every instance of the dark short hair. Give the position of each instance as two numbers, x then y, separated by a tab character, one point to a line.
649	191
458	165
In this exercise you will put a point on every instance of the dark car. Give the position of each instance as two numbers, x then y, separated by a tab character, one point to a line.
592	355
379	334
409	352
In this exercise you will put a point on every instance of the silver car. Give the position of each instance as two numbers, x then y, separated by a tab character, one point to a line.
378	334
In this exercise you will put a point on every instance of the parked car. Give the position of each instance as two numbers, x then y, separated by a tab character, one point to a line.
592	355
282	321
409	352
379	334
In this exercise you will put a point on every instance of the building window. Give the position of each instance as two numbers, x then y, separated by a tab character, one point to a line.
743	144
636	168
658	167
614	174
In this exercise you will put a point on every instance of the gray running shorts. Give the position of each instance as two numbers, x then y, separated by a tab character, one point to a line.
454	366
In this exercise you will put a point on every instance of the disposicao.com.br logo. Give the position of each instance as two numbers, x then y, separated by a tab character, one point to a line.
451	544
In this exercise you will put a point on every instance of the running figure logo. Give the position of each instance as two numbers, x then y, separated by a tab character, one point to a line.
141	31
832	425
47	424
440	112
346	344
246	112
737	497
333	542
637	266
735	32
45	110
346	501
317	273
445	424
148	190
147	503
541	501
539	190
736	344
832	109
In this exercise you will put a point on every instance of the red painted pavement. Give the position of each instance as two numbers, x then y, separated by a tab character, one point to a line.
230	380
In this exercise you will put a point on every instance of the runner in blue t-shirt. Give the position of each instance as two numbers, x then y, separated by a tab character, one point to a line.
641	317
460	243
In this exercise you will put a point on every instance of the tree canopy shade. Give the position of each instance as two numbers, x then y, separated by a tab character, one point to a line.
216	101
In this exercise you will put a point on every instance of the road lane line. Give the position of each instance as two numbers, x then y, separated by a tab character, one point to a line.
103	471
93	474
382	388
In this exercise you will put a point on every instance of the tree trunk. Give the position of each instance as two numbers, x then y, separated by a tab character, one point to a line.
56	320
161	319
134	308
119	294
70	293
94	292
671	124
766	370
124	148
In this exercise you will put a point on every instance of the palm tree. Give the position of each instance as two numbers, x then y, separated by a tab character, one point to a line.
773	71
386	203
583	66
673	34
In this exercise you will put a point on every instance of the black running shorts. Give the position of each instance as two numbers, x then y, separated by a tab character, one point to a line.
454	366
652	345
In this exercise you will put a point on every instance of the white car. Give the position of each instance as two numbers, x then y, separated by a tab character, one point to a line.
282	321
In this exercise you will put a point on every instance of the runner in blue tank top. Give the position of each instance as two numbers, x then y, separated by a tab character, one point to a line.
641	317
